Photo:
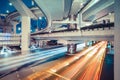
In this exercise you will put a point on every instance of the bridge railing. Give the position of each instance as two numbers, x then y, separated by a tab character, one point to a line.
108	26
8	39
98	26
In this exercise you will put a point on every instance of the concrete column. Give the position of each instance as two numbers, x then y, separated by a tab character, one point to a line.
71	48
14	28
37	43
80	19
71	17
86	45
117	41
40	43
71	25
25	33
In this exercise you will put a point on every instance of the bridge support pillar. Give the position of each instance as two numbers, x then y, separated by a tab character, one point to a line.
14	26
72	25
80	19
42	44
25	33
71	48
117	41
86	43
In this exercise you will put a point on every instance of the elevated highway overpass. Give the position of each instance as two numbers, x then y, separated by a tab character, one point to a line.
96	32
69	35
106	34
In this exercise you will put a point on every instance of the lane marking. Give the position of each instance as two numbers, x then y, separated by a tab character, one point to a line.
58	75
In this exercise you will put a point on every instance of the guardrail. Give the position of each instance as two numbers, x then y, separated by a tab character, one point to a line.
93	32
9	39
98	26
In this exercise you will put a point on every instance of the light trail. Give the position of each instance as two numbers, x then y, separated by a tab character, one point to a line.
22	61
72	70
57	67
31	54
28	57
93	70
